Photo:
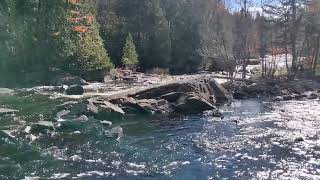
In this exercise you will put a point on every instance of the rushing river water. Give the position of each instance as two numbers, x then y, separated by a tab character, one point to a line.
255	140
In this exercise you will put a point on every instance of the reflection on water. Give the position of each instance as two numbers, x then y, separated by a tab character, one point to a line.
254	140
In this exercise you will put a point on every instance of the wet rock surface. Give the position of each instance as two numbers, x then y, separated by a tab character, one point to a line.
91	107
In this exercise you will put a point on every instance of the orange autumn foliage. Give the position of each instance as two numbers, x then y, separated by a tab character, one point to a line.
79	29
74	1
89	19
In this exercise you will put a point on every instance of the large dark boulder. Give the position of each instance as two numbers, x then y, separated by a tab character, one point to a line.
75	90
194	96
193	103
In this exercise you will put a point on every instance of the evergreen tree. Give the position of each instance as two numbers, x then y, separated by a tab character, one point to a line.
130	56
89	54
145	19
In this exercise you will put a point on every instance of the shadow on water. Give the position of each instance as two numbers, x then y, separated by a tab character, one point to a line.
246	144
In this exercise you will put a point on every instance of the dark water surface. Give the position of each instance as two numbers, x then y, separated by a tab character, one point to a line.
255	140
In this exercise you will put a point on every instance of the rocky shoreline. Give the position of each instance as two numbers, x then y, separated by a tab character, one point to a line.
275	90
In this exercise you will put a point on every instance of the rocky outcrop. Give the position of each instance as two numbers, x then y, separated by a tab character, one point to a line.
206	88
186	97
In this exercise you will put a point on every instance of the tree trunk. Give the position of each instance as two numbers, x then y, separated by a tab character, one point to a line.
316	58
294	37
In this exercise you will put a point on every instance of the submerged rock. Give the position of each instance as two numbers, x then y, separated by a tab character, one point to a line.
107	123
82	118
62	113
42	126
115	131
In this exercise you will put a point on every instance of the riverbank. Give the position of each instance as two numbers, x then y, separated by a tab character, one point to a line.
276	90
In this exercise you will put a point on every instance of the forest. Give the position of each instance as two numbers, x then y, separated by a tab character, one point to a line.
42	37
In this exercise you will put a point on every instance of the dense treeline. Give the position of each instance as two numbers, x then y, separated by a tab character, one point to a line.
178	35
87	37
41	36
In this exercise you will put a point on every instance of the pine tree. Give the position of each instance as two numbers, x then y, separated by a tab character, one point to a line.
130	56
89	54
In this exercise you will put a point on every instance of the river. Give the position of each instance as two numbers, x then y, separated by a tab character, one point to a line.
255	140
